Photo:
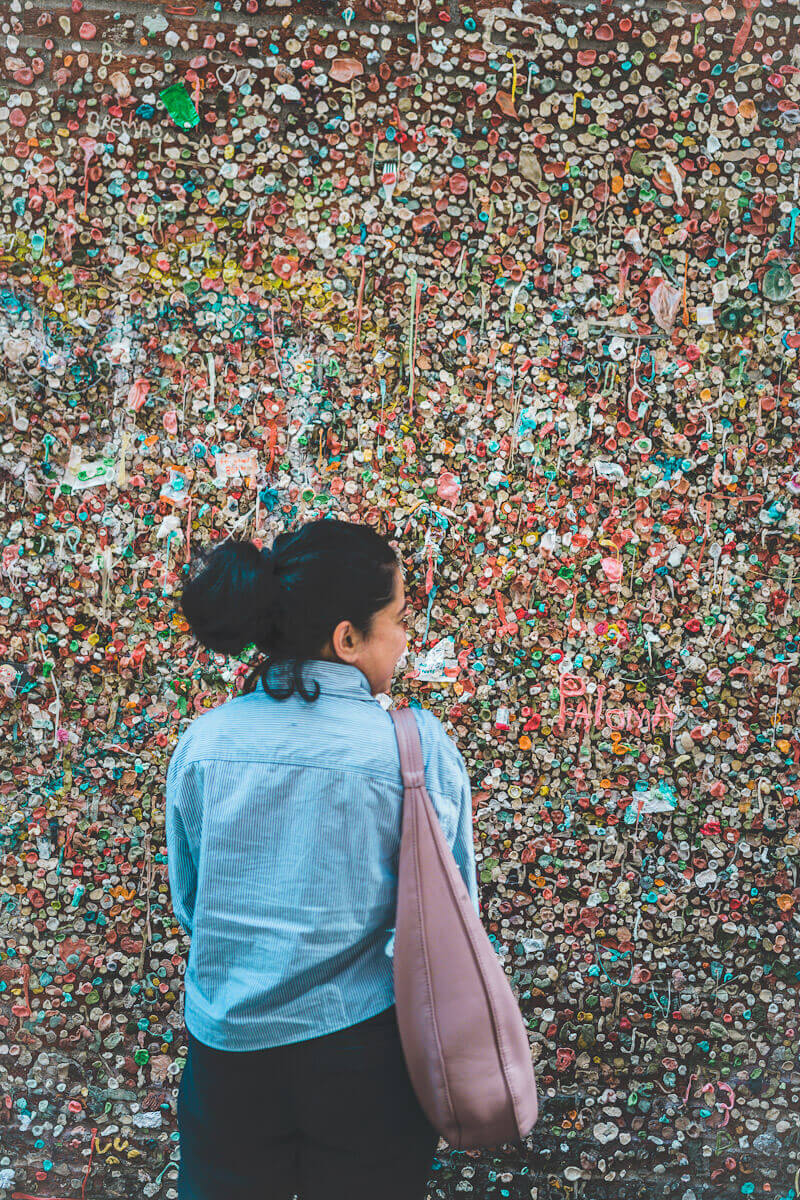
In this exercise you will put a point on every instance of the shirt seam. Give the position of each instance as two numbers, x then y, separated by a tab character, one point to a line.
370	772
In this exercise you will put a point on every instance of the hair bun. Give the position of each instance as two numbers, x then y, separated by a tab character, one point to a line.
228	600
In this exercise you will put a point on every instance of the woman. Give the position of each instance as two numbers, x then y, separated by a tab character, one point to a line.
284	809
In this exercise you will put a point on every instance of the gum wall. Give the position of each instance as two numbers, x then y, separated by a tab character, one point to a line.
518	286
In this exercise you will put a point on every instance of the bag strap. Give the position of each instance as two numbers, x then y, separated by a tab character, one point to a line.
410	746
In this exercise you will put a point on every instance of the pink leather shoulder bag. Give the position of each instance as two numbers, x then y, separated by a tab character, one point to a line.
463	1036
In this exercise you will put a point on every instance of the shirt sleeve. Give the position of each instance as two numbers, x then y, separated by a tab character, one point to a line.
183	803
464	844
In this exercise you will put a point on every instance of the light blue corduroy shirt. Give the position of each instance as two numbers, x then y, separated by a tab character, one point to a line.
283	822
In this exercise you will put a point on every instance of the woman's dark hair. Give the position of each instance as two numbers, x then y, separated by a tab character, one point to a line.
288	600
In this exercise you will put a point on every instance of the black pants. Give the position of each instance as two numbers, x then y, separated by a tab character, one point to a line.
331	1118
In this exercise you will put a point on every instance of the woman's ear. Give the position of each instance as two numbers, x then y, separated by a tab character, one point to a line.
344	639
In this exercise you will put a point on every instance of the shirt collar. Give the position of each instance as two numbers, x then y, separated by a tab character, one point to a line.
334	678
